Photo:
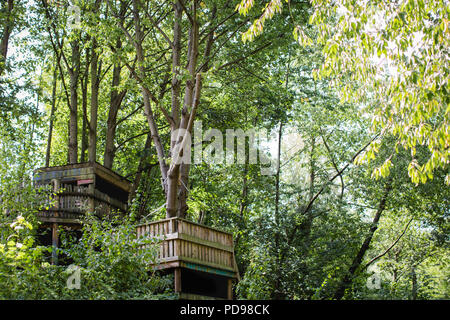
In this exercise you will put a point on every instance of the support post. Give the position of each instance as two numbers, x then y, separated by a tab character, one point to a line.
230	289
177	280
55	243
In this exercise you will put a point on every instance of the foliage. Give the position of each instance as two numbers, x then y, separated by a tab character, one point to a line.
396	52
415	268
108	257
112	262
393	58
368	82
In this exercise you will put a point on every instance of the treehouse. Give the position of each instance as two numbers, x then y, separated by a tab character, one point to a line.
81	187
200	257
76	189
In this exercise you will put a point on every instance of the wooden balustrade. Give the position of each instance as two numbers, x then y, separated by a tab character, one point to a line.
185	243
71	201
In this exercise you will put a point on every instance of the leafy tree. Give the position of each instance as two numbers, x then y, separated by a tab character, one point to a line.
396	53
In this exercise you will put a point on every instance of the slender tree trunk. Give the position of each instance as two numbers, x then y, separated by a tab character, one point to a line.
8	6
305	227
84	103
172	178
172	185
277	180
95	83
116	99
414	283
111	123
348	278
244	196
84	129
176	56
278	294
193	57
312	172
141	167
146	96
52	112
188	104
73	119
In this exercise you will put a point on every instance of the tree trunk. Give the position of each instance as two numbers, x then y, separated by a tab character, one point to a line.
84	102
111	123
9	24
172	178
73	121
52	112
146	96
306	225
141	167
84	129
188	105
278	294
193	57
95	83
348	278
116	99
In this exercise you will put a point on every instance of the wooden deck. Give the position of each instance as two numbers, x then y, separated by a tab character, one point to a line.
186	244
78	188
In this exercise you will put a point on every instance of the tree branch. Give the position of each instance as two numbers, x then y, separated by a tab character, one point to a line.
155	24
390	247
313	199
333	163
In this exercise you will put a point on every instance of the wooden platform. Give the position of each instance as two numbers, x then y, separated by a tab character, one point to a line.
78	188
195	250
188	244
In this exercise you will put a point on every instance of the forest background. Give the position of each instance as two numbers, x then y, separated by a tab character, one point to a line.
355	95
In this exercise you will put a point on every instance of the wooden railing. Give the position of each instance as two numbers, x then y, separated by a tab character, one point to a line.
184	242
71	201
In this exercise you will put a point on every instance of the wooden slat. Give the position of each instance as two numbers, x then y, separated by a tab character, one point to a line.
175	247
166	249
193	243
